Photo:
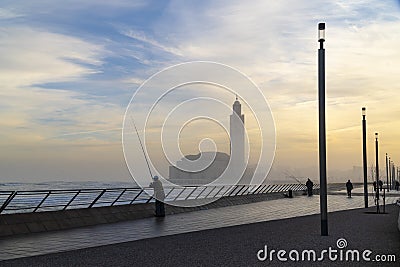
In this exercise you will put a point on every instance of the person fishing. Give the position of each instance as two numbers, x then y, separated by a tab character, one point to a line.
159	196
309	185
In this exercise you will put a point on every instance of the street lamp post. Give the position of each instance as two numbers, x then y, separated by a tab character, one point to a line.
387	174
390	181
377	172
364	136
394	176
390	167
322	130
394	171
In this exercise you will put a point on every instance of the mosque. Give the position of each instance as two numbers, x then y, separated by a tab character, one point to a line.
181	174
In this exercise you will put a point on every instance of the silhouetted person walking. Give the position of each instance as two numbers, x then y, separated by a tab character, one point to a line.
349	187
374	184
380	183
159	195
309	185
397	186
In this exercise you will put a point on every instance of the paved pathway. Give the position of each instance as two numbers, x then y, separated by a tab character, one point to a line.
238	245
92	236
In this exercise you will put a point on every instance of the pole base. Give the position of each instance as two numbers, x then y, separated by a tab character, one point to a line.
324	227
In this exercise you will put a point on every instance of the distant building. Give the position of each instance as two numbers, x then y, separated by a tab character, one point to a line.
178	175
237	136
181	174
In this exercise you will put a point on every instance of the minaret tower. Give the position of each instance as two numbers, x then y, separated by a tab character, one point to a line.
237	135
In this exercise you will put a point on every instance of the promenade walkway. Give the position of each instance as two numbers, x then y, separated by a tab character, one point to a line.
93	236
239	245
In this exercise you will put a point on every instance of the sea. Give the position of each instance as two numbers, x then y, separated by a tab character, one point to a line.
56	185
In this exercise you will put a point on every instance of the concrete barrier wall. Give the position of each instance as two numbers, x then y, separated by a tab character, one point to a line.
24	223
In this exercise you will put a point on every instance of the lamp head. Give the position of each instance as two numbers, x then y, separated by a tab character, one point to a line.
363	111
321	32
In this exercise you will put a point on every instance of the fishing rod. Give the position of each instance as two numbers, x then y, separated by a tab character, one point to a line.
141	145
293	177
297	180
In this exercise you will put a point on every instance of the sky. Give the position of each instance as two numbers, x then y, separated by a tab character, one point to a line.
68	70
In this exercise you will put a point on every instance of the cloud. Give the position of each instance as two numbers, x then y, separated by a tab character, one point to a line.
30	56
8	14
140	36
275	44
70	67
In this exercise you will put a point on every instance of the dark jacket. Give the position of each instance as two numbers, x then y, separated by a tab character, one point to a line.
349	186
309	184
